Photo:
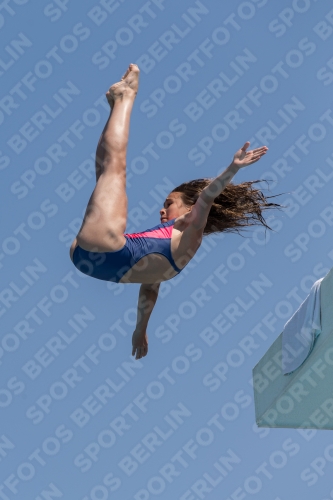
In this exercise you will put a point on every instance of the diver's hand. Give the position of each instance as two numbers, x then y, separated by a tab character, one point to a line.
244	158
139	343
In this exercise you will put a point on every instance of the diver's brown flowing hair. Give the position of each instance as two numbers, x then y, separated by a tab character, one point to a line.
238	205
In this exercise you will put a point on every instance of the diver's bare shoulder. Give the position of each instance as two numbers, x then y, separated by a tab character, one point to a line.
186	239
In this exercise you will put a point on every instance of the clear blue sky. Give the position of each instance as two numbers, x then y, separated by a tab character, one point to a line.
80	418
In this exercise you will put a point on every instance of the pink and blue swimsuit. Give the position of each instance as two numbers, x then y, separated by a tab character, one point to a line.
112	266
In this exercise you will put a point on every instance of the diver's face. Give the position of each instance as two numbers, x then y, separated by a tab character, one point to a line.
173	207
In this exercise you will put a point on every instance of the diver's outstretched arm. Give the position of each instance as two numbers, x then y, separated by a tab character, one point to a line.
242	158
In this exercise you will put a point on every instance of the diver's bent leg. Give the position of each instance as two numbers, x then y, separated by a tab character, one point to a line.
100	151
105	220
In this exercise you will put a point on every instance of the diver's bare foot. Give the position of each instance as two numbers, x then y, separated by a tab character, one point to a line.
110	99
131	77
119	91
127	87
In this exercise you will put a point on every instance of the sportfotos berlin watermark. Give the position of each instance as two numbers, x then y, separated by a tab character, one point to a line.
95	416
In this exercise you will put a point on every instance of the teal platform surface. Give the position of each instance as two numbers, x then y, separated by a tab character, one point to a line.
304	398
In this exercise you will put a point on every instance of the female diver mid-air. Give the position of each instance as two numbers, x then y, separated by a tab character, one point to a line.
196	208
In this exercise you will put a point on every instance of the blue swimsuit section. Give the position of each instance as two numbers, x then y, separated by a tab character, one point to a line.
112	266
